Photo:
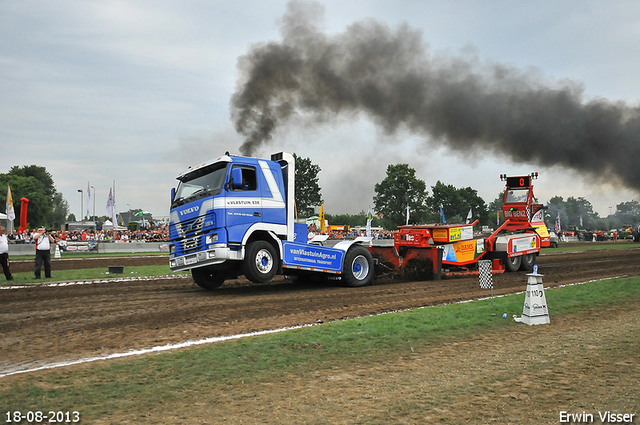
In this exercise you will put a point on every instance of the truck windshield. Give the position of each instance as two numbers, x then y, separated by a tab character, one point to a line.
201	183
517	195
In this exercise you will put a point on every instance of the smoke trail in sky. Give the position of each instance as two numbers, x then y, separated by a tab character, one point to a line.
391	75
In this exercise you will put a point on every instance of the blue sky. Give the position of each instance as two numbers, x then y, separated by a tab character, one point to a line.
136	91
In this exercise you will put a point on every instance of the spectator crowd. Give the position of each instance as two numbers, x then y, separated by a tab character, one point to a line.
349	234
160	234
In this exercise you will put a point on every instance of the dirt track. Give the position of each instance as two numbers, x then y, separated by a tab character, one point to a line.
42	324
73	263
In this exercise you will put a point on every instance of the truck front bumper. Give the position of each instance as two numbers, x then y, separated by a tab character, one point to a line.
210	257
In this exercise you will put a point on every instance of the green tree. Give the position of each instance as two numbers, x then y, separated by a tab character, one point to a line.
572	212
556	206
471	201
629	212
39	206
347	219
400	188
581	214
40	173
59	212
456	203
359	219
495	211
447	197
307	189
34	183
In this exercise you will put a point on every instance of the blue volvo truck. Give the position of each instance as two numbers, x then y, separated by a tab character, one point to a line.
235	216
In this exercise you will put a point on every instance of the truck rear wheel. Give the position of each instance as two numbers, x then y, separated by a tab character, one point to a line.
513	263
358	267
207	278
527	262
260	262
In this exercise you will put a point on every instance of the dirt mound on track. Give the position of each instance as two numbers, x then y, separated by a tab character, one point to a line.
43	324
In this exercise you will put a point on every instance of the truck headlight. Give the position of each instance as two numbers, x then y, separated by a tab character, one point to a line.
211	239
172	249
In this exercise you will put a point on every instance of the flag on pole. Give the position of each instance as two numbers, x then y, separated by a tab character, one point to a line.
115	210
407	223
88	199
442	214
11	213
498	218
558	226
369	219
469	216
111	208
323	226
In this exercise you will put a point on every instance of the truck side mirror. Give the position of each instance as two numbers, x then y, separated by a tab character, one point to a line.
236	178
173	194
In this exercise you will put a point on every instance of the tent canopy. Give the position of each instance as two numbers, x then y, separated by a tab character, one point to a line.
108	225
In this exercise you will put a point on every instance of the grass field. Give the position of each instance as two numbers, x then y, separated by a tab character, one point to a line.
130	390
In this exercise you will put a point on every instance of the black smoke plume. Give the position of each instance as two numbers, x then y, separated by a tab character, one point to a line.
391	75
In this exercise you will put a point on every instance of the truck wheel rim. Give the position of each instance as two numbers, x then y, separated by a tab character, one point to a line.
264	261
360	267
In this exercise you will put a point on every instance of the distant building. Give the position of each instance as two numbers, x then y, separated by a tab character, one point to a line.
72	226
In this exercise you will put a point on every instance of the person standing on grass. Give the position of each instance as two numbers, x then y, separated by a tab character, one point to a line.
43	251
4	254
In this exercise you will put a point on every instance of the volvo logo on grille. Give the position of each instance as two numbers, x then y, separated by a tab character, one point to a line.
190	210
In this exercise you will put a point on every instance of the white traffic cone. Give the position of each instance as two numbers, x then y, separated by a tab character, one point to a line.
535	311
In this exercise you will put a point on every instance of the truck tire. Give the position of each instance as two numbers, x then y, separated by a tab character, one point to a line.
358	267
207	278
527	262
512	264
260	262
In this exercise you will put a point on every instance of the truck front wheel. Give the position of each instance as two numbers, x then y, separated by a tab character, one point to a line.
260	262
358	267
207	278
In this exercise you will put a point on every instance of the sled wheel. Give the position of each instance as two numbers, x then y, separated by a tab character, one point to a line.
527	262
207	278
260	262
358	267
513	263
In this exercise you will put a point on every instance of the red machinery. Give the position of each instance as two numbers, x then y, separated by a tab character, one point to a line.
513	246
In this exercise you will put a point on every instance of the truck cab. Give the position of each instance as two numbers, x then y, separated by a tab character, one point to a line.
235	215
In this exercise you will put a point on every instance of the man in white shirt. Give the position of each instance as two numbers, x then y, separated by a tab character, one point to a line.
43	252
4	254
